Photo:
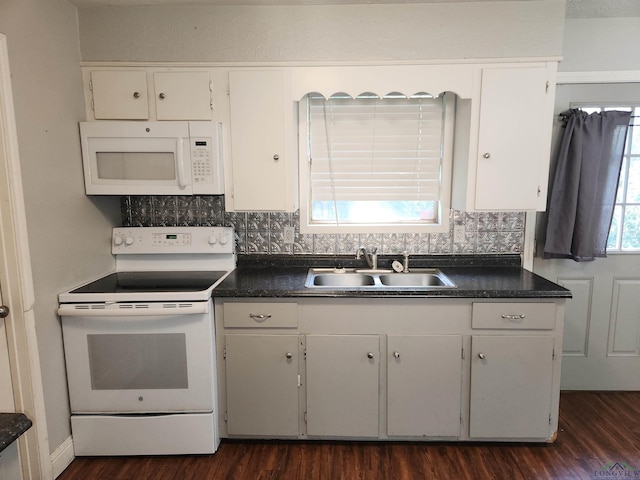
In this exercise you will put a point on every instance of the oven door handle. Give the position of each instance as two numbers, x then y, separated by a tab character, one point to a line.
129	310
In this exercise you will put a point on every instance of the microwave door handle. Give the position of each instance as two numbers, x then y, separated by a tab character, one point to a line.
182	182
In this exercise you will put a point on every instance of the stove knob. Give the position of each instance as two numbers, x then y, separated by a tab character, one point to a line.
117	241
224	239
212	240
129	240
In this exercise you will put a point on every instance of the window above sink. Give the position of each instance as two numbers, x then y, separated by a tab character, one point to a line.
379	164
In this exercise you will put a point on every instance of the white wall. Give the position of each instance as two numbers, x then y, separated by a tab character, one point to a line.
68	233
315	33
601	44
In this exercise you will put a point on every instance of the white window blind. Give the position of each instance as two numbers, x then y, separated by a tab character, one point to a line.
372	149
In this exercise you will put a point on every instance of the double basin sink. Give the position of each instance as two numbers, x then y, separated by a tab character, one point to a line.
380	279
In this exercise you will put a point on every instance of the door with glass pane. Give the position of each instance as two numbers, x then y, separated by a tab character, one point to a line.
601	348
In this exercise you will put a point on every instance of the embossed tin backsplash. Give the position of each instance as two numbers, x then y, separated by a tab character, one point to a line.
263	232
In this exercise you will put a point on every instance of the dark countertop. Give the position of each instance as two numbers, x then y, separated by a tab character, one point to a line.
493	276
12	425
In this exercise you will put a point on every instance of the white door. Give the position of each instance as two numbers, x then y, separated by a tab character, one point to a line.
6	388
21	337
9	459
601	349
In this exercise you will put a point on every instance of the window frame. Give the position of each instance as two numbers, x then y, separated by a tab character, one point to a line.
443	205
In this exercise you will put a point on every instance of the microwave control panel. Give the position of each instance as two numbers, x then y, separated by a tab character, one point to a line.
206	159
201	163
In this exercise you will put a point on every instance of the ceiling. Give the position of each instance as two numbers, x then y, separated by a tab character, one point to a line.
575	8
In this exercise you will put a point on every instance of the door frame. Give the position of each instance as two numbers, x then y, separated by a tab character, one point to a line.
17	289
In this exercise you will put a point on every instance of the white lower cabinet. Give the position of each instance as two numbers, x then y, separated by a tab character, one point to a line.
342	385
396	369
424	385
262	384
511	386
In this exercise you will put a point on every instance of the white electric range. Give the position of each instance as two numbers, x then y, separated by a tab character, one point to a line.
140	347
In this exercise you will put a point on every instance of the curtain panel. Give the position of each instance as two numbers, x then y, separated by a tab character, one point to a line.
584	189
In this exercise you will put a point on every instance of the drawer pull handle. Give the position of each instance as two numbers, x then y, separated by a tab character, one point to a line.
260	316
514	317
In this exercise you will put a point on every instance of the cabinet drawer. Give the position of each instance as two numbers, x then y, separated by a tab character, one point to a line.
531	316
260	315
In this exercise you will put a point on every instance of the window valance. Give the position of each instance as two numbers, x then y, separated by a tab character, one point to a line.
380	80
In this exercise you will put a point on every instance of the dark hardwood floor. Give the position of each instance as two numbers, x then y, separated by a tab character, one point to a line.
599	437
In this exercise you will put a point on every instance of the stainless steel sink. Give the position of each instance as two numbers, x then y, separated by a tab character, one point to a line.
411	279
343	279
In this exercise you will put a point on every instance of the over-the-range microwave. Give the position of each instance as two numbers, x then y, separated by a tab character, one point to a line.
152	158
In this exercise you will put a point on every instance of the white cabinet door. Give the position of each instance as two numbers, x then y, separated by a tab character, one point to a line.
262	384
511	386
514	138
258	150
424	385
119	94
343	377
182	95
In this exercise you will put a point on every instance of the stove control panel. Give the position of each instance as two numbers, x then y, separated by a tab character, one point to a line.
172	240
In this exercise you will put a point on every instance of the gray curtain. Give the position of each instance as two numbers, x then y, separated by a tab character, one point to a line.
585	184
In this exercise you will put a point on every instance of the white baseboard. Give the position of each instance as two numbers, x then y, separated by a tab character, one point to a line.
62	457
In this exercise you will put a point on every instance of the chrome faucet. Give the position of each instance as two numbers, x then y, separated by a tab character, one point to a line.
371	258
405	263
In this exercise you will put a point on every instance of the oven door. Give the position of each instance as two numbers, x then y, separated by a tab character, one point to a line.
139	357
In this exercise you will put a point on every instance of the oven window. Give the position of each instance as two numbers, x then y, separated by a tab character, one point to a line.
138	361
136	165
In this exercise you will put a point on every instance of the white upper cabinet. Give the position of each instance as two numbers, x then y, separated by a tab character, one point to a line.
119	94
502	139
141	95
505	165
262	140
182	95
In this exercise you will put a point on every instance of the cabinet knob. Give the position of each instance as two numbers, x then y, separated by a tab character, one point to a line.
4	311
289	355
487	155
482	356
276	157
396	354
370	355
136	94
162	96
